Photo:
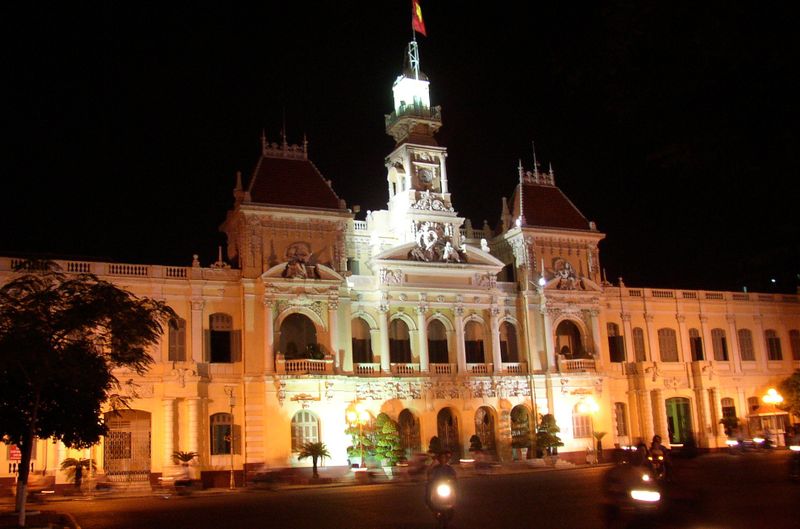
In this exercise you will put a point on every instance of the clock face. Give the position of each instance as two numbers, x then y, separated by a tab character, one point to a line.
426	175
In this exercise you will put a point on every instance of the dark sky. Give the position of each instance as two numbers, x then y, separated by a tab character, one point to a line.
674	127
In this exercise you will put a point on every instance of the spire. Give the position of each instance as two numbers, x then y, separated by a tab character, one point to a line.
263	141
521	219
305	144
238	181
413	58
535	162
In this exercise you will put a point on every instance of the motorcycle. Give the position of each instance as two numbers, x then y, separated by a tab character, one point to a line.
633	497
794	462
442	500
657	466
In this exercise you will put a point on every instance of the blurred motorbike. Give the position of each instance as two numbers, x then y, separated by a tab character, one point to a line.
633	496
657	465
794	462
442	499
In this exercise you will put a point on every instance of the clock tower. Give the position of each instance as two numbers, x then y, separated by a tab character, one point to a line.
419	200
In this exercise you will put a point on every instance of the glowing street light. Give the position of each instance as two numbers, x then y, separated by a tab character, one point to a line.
358	415
589	406
772	397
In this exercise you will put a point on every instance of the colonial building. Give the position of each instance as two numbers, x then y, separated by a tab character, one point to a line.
452	331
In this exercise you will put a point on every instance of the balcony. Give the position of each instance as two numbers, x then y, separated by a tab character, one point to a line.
514	368
367	370
304	366
480	369
577	365
442	369
402	369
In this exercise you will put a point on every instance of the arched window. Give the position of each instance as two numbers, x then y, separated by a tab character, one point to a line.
746	345
298	336
720	344
581	424
616	343
668	345
638	344
177	339
399	342
223	432
508	342
305	429
621	419
473	343
362	346
773	345
794	343
696	344
437	343
221	339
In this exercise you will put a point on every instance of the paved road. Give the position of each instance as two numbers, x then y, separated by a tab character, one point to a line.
712	492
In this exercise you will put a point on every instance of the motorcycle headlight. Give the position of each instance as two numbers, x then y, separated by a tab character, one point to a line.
444	490
645	477
646	495
795	448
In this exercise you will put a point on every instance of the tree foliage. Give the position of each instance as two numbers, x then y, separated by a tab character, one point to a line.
362	441
387	440
316	451
546	438
789	389
61	338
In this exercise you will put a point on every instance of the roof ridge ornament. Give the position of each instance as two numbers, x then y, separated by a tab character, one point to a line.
284	149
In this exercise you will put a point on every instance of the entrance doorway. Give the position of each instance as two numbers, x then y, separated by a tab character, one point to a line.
447	431
126	452
679	420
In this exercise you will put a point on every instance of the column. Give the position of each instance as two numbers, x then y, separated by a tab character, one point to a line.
708	342
684	349
444	172
460	351
169	430
627	333
333	328
269	335
197	329
659	414
646	411
759	343
533	358
652	339
598	348
549	347
497	358
423	339
733	344
383	327
193	409
715	414
347	360
702	417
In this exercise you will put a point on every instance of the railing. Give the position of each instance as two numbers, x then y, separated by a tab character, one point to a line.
689	295
715	295
701	294
175	272
516	368
128	270
300	366
78	267
442	369
479	369
360	225
740	297
578	365
662	294
405	369
366	369
417	111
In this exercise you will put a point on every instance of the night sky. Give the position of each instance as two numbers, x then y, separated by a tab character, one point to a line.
674	127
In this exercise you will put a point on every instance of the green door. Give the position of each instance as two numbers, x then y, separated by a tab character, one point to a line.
679	420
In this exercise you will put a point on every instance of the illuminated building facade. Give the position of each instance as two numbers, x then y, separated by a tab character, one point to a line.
452	331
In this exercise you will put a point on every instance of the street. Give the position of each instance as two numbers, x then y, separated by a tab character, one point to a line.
717	491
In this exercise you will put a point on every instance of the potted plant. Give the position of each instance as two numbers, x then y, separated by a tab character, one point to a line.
387	442
184	457
599	437
546	438
74	469
475	444
316	451
435	445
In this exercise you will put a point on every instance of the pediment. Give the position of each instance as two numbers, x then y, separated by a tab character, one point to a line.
292	271
471	257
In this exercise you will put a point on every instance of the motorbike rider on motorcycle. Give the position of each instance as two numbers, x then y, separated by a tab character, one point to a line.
658	457
440	489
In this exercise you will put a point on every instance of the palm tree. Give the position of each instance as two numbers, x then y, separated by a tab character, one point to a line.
184	457
71	466
315	451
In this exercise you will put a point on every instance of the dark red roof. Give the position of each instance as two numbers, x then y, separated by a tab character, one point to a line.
291	182
546	206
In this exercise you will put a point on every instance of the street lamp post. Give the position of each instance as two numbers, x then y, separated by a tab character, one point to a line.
358	415
230	391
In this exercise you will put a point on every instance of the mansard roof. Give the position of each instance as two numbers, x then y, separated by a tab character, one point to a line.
284	176
545	205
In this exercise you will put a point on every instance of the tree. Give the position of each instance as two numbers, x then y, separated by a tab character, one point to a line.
61	338
184	457
546	438
435	445
387	440
74	468
363	441
790	391
314	450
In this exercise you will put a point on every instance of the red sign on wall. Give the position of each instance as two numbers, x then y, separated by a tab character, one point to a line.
14	453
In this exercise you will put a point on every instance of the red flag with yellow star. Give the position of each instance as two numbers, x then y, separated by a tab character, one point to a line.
417	24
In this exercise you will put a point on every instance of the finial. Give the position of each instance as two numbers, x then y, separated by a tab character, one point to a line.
535	162
305	144
283	131
552	175
238	181
263	141
520	170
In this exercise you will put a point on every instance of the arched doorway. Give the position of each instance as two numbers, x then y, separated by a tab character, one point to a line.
409	433
447	431
508	343
679	420
399	342
568	340
437	343
126	451
521	428
362	345
484	427
297	334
